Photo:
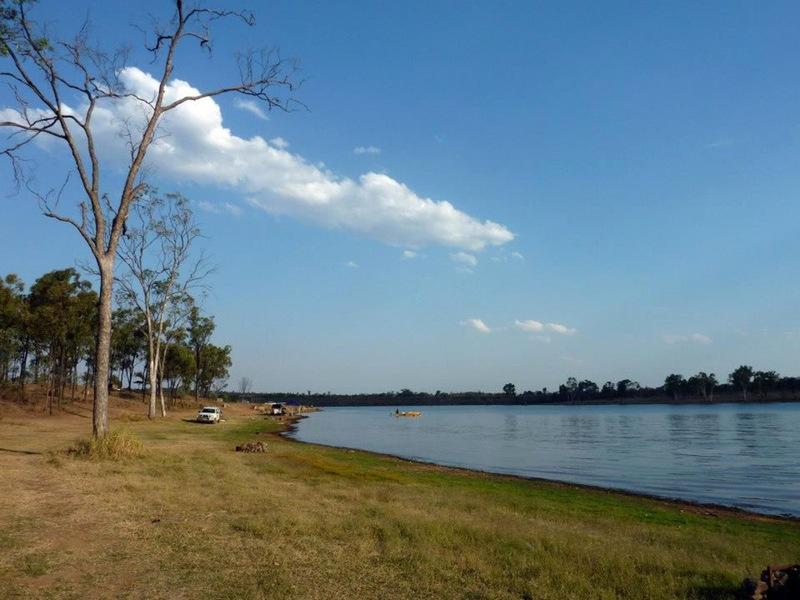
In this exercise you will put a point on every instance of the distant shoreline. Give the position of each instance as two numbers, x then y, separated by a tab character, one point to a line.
400	401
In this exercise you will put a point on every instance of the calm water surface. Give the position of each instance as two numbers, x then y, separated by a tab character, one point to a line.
743	455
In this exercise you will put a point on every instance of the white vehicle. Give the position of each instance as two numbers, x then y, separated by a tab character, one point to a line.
209	414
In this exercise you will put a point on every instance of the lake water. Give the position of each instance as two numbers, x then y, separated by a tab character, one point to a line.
743	455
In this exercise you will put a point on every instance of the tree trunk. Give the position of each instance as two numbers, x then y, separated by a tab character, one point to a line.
197	376
62	377
145	375
103	348
86	382
153	377
23	368
74	381
161	400
163	360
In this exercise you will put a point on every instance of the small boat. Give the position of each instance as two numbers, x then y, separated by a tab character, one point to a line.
407	413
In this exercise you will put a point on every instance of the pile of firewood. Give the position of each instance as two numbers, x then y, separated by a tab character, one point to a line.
777	583
252	447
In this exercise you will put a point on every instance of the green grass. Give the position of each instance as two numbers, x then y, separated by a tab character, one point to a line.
34	565
192	518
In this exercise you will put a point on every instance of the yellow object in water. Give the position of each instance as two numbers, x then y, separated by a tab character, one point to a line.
409	413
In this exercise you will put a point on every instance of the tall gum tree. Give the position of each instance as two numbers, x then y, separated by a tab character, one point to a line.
45	73
158	275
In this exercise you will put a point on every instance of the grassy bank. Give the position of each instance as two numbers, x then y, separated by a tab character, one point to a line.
192	518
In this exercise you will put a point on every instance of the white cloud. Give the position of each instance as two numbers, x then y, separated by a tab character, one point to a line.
279	142
529	326
251	106
699	338
477	325
225	207
350	264
374	150
464	258
562	329
504	257
409	254
194	145
694	338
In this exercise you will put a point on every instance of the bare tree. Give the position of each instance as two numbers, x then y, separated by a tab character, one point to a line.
245	385
158	276
45	73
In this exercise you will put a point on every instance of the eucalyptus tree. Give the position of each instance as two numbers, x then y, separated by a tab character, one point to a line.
160	273
703	383
127	342
588	388
48	75
213	368
674	385
570	388
178	367
245	385
765	381
609	390
742	377
200	329
175	334
63	309
13	317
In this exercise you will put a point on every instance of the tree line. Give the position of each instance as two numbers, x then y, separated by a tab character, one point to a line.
47	338
743	384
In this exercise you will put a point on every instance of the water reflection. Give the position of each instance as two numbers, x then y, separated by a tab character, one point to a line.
753	431
511	427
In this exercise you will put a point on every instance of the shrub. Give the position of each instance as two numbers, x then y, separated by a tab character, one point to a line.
116	445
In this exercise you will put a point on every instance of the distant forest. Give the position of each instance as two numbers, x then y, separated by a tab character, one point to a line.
47	339
744	384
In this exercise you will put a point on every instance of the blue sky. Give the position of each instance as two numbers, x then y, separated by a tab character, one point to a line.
645	160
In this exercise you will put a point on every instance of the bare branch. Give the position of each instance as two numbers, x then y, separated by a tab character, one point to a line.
50	201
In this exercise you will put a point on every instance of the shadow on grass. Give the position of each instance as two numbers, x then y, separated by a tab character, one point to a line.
19	451
75	413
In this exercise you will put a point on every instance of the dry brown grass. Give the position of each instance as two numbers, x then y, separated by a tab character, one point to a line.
194	519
